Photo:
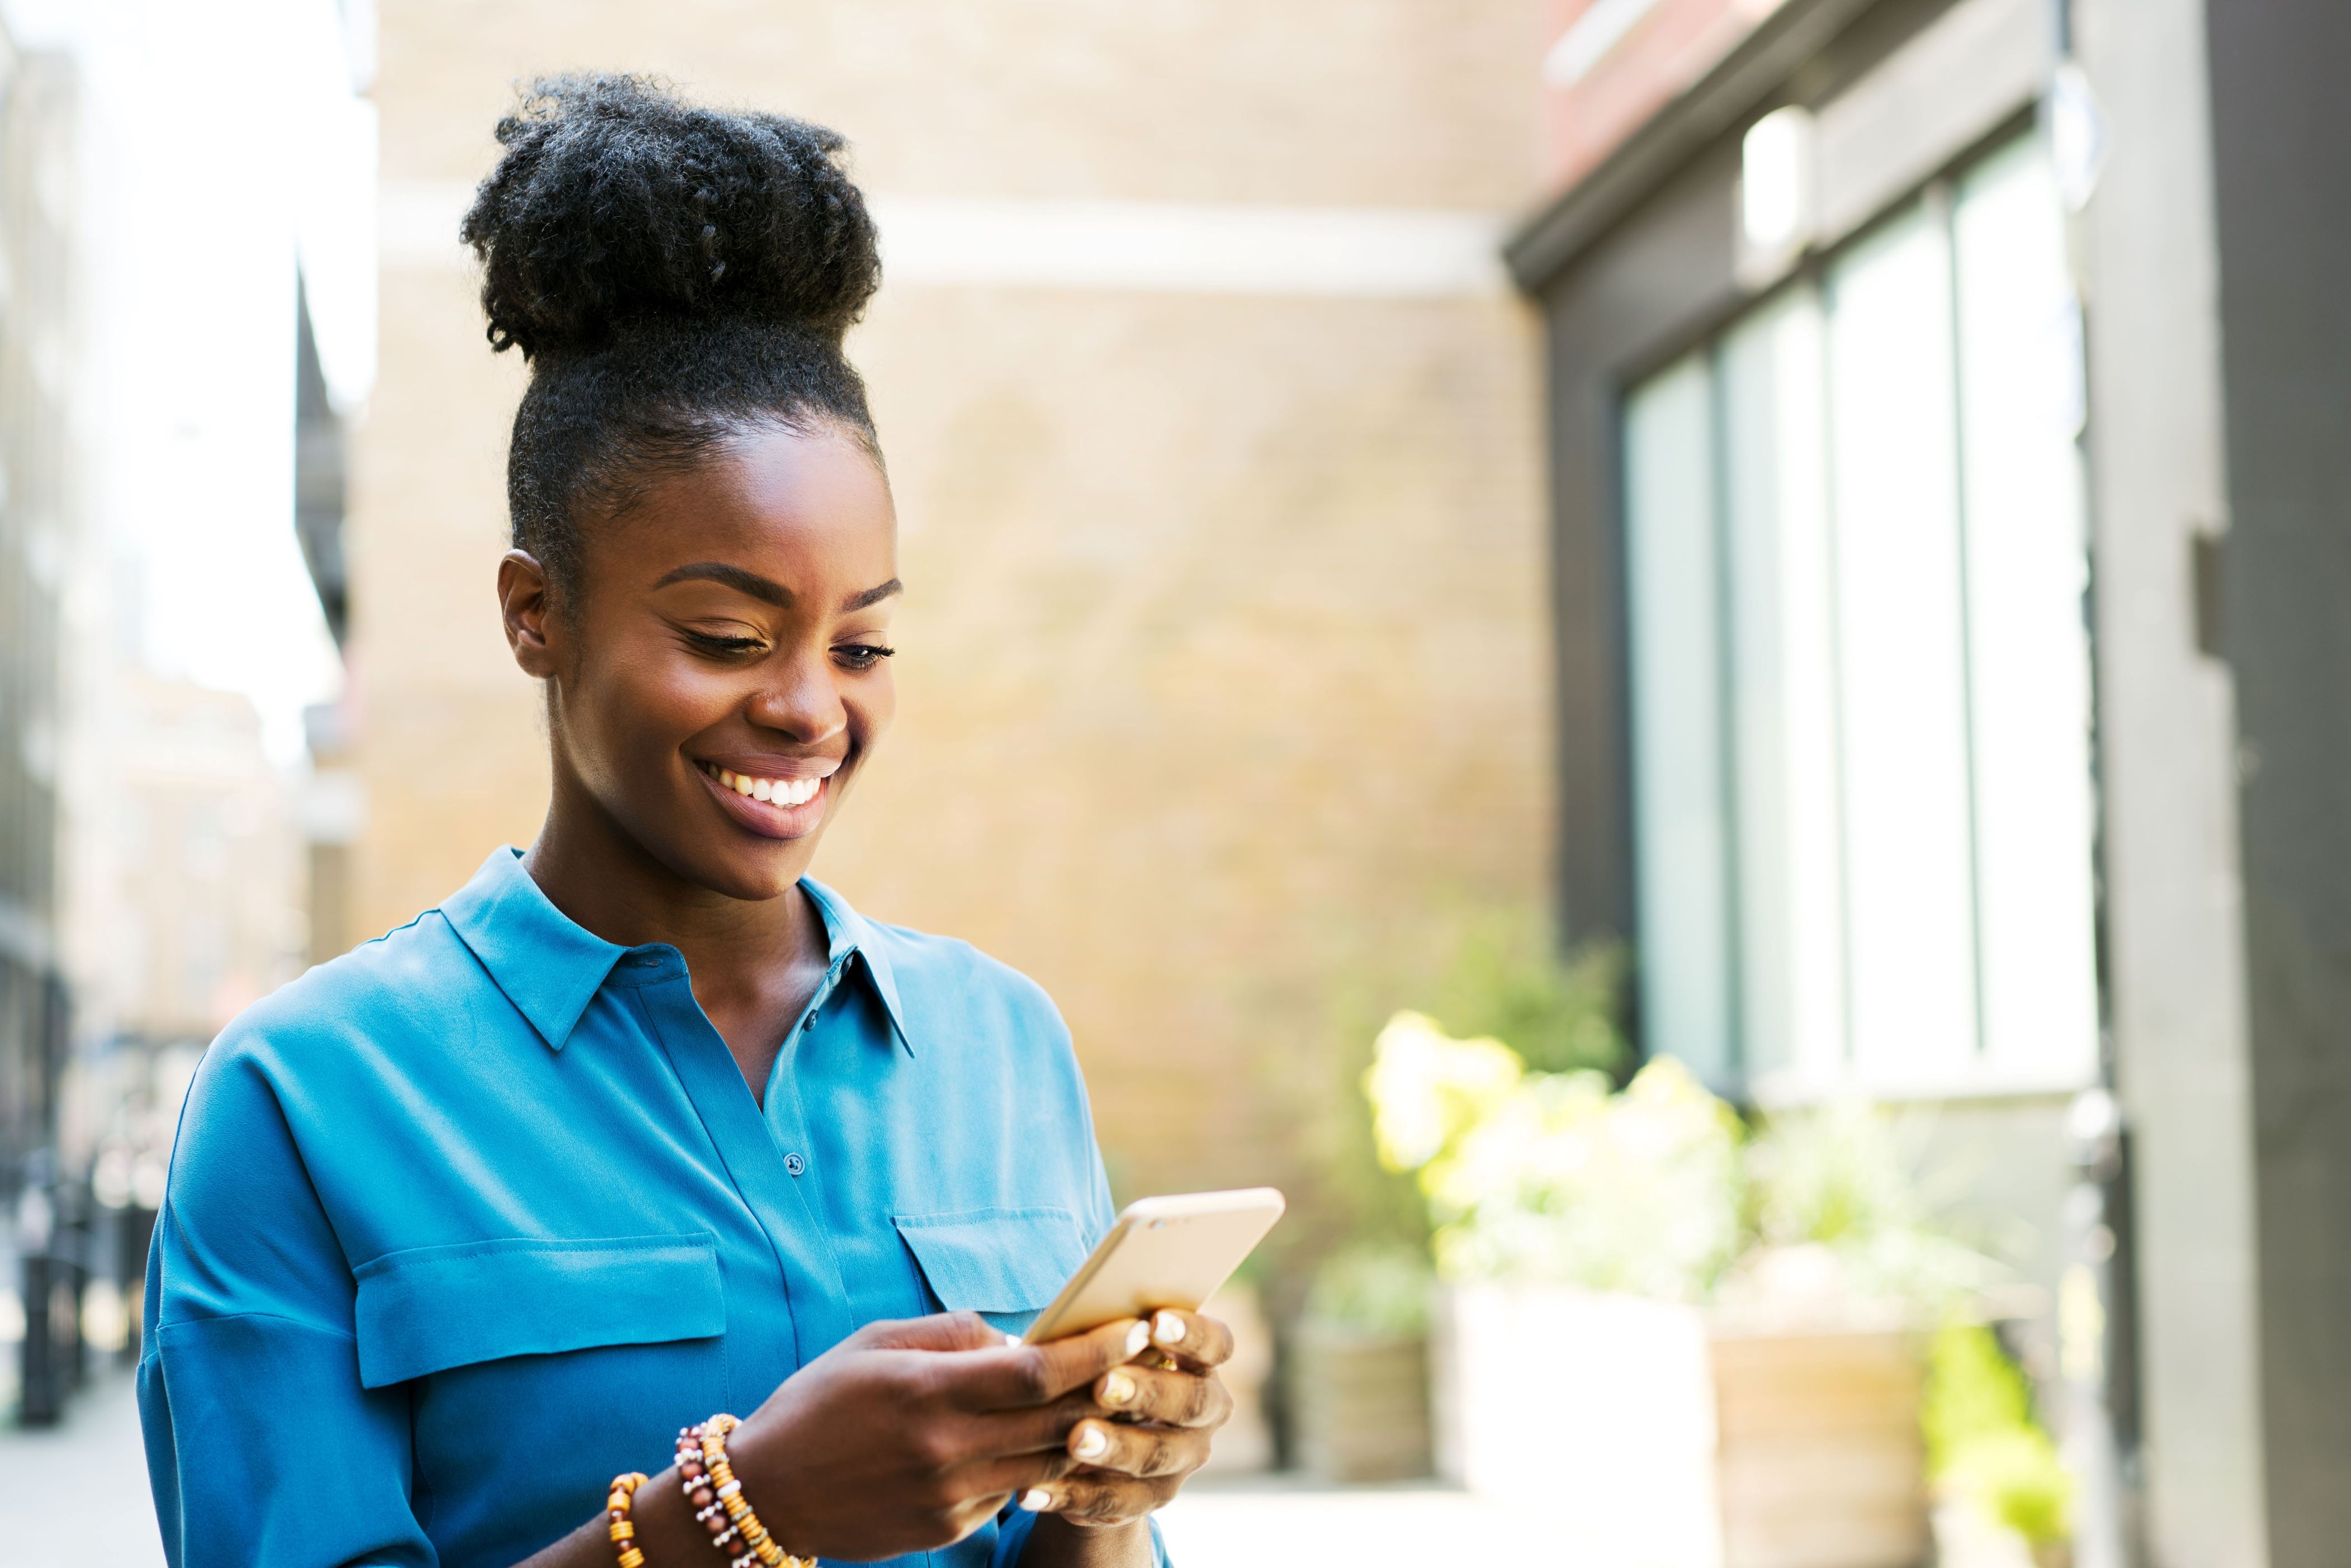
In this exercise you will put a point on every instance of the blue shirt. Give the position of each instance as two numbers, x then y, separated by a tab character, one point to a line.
464	1223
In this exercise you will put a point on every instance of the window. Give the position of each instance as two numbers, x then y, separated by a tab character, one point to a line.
1855	581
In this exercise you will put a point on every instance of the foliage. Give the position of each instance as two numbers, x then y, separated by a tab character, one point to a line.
1508	982
1549	1176
1653	1190
1982	1441
1377	1288
1428	1089
1838	1177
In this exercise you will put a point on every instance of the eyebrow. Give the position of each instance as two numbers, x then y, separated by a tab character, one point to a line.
767	591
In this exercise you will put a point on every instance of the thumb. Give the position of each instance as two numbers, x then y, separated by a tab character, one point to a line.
942	1332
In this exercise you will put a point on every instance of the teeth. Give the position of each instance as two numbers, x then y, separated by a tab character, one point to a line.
775	791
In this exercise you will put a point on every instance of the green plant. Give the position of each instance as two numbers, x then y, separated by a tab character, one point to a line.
1551	1176
1842	1177
1508	982
1982	1441
1379	1287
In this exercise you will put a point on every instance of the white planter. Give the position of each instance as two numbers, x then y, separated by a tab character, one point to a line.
1647	1441
1597	1410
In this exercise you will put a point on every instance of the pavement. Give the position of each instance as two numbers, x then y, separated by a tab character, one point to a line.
75	1496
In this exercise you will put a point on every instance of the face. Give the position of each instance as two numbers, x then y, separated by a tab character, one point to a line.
722	672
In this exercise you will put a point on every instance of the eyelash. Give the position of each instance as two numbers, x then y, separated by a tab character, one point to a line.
861	655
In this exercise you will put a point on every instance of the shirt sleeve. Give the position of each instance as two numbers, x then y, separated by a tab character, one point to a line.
263	1448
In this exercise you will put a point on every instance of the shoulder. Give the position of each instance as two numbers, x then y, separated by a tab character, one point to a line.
950	966
951	993
411	980
334	1042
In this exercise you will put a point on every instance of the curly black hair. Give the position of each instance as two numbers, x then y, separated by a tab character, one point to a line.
675	275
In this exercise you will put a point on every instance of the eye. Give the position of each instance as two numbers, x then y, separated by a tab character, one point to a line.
723	647
862	656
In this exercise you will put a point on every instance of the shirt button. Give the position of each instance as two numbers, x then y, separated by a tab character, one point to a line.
794	1165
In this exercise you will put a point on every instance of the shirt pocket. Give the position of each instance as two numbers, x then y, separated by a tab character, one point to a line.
429	1308
1006	1264
613	1343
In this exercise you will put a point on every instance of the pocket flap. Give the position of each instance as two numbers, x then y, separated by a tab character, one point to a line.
1002	1264
428	1309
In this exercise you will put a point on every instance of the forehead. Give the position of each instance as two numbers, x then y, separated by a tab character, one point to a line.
780	502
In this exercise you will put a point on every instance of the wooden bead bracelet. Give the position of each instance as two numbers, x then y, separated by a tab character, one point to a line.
618	1525
716	1498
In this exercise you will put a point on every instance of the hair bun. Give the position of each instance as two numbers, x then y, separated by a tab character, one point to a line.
616	203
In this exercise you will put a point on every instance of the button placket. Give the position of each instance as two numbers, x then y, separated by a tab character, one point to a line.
783	1099
818	1300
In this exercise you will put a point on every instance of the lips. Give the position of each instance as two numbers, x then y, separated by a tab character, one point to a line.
775	808
781	791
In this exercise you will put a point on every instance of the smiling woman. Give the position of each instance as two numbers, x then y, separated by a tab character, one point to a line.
643	1124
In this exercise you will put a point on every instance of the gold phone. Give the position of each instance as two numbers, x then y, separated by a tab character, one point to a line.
1163	1252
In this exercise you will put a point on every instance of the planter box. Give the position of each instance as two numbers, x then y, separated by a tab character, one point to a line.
1359	1403
1820	1463
1652	1440
1245	1447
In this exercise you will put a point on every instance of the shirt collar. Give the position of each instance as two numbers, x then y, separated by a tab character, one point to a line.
846	932
551	967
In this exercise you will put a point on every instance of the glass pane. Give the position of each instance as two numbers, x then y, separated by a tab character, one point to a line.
1902	688
1782	679
1673	581
2021	407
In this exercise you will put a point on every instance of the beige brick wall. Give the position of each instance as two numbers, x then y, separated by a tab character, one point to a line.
1222	661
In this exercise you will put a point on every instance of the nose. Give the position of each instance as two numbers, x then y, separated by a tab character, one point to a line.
801	699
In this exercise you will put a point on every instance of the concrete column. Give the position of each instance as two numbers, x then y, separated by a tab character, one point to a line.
2281	124
2168	757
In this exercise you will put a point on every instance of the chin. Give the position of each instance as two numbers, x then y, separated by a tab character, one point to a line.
760	875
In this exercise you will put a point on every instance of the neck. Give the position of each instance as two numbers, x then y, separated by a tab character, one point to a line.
598	873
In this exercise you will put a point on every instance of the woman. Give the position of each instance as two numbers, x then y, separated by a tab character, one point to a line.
641	1126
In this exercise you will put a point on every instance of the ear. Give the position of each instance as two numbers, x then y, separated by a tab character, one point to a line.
525	607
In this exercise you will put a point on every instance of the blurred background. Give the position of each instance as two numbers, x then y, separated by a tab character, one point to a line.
1683	661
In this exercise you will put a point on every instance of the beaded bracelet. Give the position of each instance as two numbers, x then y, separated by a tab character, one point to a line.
716	1497
616	1510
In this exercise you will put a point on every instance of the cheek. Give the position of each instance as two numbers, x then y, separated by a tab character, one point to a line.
872	705
643	705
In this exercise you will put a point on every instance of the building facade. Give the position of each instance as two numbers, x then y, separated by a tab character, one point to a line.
1951	666
36	512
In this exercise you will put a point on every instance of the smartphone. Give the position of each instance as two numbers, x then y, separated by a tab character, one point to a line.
1163	1252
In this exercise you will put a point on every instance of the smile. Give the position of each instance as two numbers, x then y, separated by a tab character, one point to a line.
774	791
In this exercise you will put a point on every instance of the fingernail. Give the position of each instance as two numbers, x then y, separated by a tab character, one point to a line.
1117	1388
1167	1328
1093	1443
1036	1500
1137	1338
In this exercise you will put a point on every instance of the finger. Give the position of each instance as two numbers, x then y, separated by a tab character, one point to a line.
1091	1497
1176	1398
1014	1475
1202	1341
1143	1452
1031	1429
1013	1376
940	1332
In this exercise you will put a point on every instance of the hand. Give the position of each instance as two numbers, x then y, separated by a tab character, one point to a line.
1148	1427
908	1435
